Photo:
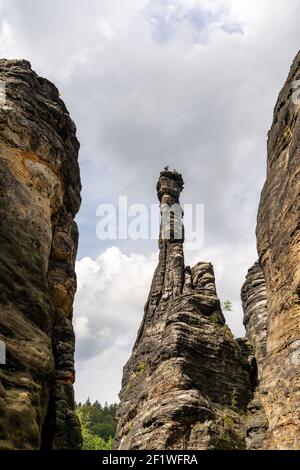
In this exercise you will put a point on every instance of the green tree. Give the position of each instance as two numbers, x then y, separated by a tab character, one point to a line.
93	442
98	424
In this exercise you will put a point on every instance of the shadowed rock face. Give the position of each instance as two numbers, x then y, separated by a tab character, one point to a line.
187	383
275	333
39	197
254	299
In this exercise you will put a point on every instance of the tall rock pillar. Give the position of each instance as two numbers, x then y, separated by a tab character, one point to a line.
187	381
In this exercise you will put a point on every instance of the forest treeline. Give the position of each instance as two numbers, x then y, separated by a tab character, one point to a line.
98	424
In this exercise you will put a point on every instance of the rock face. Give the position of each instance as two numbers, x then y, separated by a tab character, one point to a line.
276	334
187	384
39	197
254	299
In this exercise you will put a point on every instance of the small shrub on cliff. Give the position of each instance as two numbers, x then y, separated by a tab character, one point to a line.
227	306
228	421
234	399
141	368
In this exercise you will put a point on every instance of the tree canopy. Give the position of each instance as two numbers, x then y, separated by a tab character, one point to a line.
98	424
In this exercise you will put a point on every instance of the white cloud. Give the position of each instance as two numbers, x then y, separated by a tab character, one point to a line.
108	309
100	376
82	327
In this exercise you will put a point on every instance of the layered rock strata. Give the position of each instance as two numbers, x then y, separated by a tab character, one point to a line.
278	242
275	334
187	383
39	197
254	300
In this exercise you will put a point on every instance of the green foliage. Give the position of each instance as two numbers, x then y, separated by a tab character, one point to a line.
93	442
234	399
214	318
98	424
141	368
228	421
227	306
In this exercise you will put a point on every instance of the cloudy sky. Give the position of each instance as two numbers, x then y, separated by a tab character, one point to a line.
189	83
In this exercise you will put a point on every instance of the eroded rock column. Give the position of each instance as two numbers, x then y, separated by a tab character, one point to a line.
187	383
254	299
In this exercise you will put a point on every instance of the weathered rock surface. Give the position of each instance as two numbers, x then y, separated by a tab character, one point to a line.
278	242
39	197
187	384
275	334
254	299
256	423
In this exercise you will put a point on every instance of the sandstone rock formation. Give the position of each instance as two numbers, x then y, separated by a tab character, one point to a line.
39	197
188	383
254	299
275	334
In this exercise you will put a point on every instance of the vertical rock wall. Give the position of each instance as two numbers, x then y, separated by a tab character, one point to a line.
187	383
276	334
278	241
39	197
